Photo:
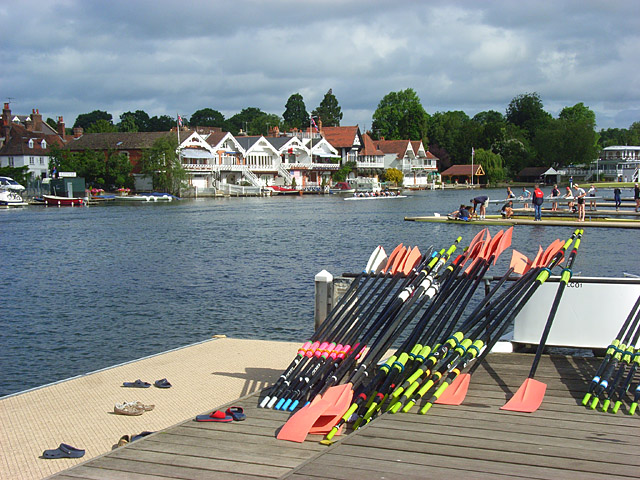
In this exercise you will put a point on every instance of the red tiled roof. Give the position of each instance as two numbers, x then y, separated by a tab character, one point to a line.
399	147
215	137
340	137
431	156
118	140
463	170
18	142
370	148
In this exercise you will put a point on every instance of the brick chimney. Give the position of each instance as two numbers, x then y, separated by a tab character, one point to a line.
6	118
77	132
60	129
36	118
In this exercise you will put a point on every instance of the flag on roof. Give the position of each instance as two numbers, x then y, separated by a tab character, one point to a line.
313	122
179	121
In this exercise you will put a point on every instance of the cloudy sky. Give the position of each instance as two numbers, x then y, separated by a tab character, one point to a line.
67	57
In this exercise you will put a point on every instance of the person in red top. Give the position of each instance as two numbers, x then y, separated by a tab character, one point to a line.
538	198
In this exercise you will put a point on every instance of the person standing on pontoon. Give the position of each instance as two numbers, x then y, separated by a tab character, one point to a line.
526	195
538	199
555	193
580	194
510	194
592	193
636	197
617	197
483	201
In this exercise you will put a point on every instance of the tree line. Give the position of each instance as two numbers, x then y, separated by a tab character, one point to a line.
524	135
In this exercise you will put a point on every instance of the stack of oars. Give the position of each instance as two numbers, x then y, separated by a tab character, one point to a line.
617	372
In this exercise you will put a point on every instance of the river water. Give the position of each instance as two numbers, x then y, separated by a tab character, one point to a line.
87	288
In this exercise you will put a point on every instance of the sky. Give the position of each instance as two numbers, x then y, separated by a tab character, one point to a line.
68	57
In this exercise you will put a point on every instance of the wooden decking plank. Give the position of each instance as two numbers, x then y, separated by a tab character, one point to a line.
480	425
90	472
352	455
470	436
364	460
515	452
205	464
124	469
230	449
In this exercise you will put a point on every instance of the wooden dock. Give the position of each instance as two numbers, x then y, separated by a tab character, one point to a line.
547	222
562	440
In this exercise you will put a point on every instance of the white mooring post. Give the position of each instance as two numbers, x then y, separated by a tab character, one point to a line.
324	296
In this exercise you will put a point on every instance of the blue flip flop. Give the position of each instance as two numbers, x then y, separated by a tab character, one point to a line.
162	383
63	451
137	384
237	413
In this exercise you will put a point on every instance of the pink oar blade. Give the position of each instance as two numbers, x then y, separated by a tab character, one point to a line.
340	398
519	262
411	260
528	398
392	258
456	392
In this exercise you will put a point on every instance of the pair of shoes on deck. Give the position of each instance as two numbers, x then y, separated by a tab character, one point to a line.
231	414
164	383
125	439
132	408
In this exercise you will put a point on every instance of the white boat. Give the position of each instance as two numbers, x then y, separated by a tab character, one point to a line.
9	198
10	184
152	197
376	197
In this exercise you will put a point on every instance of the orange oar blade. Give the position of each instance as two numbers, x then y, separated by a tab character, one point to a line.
519	262
340	398
411	261
297	427
538	257
392	258
398	260
456	392
528	398
505	242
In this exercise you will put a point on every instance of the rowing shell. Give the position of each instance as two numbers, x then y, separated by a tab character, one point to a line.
376	198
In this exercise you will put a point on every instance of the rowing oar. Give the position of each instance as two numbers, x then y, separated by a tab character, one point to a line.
329	399
529	396
622	357
455	387
376	262
395	364
401	363
624	388
347	336
624	335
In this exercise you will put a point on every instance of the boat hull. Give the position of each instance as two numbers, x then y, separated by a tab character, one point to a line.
63	201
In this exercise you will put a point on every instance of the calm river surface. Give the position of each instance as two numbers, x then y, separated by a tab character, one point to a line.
87	288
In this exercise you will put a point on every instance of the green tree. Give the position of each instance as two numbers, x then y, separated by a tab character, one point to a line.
344	171
490	129
261	124
85	120
118	171
162	163
329	112
139	118
208	117
163	123
492	165
52	123
244	121
393	175
454	132
400	116
19	174
101	126
526	111
295	113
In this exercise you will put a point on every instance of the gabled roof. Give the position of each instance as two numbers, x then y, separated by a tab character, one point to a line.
370	148
282	143
463	170
116	140
431	156
399	147
18	142
248	142
341	137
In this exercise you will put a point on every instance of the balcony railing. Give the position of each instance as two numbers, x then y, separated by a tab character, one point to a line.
361	164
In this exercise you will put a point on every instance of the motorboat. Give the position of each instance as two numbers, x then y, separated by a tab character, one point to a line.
342	187
10	198
10	184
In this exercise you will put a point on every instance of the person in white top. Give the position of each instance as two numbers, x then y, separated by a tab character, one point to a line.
592	193
580	194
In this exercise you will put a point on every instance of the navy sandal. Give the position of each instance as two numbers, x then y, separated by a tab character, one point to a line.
162	383
63	451
137	384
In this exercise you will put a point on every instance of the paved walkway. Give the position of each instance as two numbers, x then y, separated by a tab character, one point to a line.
79	411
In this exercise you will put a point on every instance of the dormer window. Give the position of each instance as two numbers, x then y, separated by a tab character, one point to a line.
31	143
43	144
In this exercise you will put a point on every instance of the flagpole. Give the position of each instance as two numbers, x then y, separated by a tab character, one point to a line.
178	126
472	154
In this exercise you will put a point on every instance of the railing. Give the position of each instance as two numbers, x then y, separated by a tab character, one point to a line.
198	167
361	164
251	177
239	190
284	173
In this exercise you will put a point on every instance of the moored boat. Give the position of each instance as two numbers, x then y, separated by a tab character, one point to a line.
63	201
342	187
9	198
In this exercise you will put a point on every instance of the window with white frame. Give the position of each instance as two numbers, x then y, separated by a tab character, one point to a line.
43	143
41	160
11	162
32	161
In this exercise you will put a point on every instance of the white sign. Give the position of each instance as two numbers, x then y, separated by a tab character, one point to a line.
67	174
